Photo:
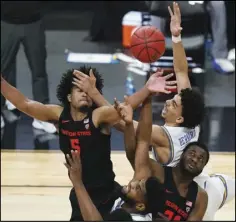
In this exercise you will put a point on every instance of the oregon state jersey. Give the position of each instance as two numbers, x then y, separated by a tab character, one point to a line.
94	148
175	207
179	138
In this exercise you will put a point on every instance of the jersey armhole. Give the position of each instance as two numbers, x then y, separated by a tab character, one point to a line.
171	157
99	128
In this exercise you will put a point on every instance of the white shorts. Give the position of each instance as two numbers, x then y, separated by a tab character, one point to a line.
220	189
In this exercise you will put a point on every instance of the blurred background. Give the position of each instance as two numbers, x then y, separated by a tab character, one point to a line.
42	39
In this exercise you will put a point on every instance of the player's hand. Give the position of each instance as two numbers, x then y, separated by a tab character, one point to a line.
124	109
84	82
157	83
74	167
175	23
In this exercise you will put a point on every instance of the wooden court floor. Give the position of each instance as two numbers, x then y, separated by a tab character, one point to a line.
35	186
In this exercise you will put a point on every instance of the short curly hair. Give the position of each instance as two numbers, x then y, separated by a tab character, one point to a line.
65	86
193	107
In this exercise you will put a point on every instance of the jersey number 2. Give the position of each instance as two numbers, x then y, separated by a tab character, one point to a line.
171	217
75	144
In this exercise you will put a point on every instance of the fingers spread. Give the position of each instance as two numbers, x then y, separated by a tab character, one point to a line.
77	156
126	99
159	72
170	11
171	87
69	159
67	165
116	103
169	76
80	74
171	83
73	156
167	92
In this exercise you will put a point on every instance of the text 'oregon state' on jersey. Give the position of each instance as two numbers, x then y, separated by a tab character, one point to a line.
175	207
94	148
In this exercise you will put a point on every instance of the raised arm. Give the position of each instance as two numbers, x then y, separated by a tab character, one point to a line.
87	84
155	84
180	60
126	113
88	209
32	108
107	114
143	137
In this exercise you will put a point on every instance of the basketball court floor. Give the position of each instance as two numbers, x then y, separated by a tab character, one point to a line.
34	181
36	186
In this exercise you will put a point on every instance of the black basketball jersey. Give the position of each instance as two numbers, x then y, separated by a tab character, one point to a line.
94	148
176	207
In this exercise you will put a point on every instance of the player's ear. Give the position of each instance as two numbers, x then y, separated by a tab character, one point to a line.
180	120
69	97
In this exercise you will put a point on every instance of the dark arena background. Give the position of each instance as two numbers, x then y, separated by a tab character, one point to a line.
93	33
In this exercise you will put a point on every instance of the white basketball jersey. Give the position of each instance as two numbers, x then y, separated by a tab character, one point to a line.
136	217
179	138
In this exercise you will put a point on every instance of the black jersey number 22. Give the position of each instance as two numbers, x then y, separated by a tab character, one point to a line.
75	144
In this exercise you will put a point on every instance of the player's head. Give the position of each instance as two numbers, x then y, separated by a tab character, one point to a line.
194	158
185	109
144	195
70	95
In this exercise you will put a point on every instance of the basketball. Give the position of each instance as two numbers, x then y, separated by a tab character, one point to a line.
147	44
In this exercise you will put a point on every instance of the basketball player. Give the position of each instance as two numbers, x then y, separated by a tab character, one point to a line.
174	195
183	115
135	200
83	128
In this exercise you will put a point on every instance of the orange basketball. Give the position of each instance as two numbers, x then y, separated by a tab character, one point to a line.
147	44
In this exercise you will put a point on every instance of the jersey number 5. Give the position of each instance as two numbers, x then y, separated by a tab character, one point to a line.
171	215
75	144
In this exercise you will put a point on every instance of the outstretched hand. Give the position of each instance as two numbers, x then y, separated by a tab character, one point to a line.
157	83
124	109
175	23
74	167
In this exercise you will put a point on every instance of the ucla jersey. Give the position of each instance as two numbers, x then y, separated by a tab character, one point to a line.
136	217
179	138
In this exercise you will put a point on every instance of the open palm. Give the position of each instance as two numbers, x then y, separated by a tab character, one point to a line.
175	23
160	84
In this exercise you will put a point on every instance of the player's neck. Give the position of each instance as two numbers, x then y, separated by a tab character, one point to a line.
77	115
171	124
180	177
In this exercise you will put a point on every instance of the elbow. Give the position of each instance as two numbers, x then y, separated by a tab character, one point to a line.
130	156
23	106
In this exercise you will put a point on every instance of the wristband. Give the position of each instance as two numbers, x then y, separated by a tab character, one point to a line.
176	39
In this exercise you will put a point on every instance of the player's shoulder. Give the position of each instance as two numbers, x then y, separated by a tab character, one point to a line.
99	110
58	108
158	135
94	113
55	109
